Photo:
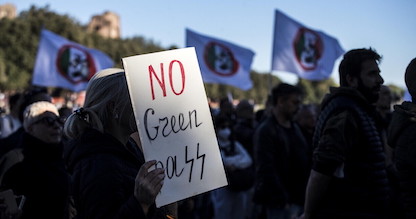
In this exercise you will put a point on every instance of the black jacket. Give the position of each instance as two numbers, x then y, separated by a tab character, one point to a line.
103	173
349	148
41	177
402	136
282	160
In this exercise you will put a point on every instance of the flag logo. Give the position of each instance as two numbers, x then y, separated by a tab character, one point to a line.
66	64
308	48
222	62
306	52
75	63
220	59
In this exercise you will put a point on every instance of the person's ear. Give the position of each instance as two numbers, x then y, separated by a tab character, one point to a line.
352	81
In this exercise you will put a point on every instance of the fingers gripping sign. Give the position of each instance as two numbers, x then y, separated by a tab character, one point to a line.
148	183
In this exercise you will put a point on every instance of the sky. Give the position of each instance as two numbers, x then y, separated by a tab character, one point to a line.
388	26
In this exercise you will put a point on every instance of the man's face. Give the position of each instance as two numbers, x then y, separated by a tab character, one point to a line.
370	80
289	105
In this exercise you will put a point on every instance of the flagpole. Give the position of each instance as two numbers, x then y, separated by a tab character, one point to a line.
274	42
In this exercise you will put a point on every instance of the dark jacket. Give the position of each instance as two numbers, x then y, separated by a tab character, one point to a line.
282	162
103	173
41	177
349	148
14	140
402	136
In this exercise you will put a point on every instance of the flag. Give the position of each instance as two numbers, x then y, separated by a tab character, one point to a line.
222	62
63	63
297	49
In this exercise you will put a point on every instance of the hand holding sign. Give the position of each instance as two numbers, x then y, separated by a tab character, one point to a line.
174	122
148	184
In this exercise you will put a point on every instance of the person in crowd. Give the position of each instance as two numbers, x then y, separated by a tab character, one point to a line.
245	125
383	105
14	140
243	131
262	114
281	157
402	136
9	123
348	177
306	118
226	110
108	177
227	199
40	176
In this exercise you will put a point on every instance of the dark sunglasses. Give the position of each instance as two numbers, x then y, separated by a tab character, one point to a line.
51	121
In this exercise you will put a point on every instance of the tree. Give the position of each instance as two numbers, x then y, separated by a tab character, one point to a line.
315	90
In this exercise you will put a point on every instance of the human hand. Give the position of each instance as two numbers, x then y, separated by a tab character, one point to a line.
5	213
148	184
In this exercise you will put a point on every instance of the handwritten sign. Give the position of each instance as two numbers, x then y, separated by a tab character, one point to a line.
174	122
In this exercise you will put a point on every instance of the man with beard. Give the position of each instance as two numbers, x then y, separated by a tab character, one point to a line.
348	177
281	157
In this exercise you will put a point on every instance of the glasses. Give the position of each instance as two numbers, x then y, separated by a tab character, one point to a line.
51	121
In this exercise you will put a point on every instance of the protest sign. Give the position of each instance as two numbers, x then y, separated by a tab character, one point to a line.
174	122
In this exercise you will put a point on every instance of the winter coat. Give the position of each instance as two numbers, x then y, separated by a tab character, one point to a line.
103	173
282	161
349	148
41	177
402	136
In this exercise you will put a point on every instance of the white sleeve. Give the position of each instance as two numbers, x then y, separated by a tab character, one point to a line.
241	158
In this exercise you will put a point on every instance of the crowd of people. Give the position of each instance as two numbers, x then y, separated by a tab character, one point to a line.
352	156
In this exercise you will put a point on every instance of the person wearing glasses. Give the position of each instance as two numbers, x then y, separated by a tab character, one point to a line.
40	177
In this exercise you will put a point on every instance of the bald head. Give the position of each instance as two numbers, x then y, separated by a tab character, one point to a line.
410	78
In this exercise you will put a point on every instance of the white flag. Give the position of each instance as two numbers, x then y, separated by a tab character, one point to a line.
297	49
66	64
222	62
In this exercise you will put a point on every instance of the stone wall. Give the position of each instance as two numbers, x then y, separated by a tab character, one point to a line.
7	11
106	25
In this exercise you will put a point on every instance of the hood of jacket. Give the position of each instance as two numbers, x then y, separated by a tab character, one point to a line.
404	115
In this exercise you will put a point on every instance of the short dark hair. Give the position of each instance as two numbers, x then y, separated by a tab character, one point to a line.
284	90
410	78
351	63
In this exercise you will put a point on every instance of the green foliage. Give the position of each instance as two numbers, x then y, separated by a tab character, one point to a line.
396	92
315	90
262	83
20	38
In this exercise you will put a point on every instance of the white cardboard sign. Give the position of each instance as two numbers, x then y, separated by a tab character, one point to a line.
174	122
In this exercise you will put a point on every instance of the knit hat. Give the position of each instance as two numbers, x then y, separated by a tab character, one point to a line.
35	110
